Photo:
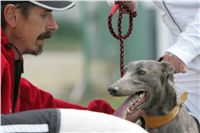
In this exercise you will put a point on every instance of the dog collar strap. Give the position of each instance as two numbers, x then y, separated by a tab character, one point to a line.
158	121
184	97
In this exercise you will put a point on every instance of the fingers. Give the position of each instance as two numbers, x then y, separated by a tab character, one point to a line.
176	62
131	5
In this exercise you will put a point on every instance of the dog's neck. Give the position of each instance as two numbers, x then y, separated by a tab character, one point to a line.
166	101
169	100
158	121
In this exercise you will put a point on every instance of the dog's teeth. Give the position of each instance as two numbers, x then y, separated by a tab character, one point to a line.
141	95
128	110
139	99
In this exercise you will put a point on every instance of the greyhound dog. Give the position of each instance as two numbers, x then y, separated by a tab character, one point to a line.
151	88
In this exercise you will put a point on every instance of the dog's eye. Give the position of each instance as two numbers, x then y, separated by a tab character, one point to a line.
141	72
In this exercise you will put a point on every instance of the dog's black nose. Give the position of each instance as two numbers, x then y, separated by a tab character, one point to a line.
113	90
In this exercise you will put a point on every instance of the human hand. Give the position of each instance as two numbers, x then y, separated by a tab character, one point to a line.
177	63
131	5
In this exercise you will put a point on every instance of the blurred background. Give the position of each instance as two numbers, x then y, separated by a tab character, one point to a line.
81	60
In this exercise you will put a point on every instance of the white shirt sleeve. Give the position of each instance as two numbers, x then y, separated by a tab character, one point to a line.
187	46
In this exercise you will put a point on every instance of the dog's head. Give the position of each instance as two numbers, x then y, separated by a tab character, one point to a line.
146	82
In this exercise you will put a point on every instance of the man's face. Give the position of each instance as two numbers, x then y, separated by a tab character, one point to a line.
30	32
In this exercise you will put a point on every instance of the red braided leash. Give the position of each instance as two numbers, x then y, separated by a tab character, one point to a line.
120	37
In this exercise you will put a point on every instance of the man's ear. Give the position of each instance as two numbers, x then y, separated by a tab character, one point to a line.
168	70
10	15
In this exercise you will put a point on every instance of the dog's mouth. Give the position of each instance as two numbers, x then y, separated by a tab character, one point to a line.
136	101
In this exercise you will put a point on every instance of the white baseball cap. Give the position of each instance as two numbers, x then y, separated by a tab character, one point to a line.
50	5
54	5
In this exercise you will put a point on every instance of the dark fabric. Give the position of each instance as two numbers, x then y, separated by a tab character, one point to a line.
18	69
3	2
49	5
51	117
56	4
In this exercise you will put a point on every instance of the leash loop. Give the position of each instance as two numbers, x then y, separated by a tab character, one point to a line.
120	5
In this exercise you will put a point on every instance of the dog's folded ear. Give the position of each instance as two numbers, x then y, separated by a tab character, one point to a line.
168	70
126	67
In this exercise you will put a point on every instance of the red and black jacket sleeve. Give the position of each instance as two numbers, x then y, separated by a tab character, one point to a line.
32	97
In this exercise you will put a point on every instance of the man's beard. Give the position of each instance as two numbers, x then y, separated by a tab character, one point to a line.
39	48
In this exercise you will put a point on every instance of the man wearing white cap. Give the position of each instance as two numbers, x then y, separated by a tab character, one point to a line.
24	28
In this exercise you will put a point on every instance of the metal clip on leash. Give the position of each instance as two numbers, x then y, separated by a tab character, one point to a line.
120	5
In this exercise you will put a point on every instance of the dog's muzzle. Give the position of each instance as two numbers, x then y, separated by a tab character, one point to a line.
113	90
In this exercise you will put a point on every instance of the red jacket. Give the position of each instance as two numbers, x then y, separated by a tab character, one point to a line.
29	96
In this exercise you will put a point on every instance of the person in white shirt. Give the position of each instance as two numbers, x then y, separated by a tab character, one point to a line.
183	20
182	17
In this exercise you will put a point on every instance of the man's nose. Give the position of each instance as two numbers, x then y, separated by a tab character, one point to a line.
52	24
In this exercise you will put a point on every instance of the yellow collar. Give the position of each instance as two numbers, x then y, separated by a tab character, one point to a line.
158	121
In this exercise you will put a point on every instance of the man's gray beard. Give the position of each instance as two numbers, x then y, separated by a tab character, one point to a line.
36	52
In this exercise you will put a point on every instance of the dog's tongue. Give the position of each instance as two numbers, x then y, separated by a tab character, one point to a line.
122	113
